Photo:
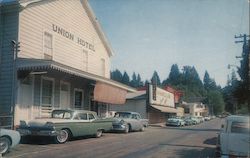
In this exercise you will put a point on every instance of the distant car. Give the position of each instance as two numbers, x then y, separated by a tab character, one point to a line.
188	121
129	121
8	139
207	118
175	122
65	124
234	138
202	119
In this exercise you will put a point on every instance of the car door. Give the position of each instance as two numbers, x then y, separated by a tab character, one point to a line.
81	124
238	138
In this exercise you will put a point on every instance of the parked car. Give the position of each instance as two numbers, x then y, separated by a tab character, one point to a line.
8	139
129	121
188	121
234	138
65	124
207	118
175	122
201	119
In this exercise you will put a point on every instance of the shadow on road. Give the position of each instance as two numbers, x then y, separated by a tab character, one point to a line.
193	129
210	141
193	151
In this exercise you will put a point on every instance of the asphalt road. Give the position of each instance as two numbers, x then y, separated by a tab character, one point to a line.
155	142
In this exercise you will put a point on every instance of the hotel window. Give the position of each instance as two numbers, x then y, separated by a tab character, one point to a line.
103	67
85	60
48	45
47	92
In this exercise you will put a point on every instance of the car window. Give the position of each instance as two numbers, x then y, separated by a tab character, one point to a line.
91	117
81	116
61	114
240	127
138	116
134	116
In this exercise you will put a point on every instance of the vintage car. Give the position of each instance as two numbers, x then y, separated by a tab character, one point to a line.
175	122
234	139
8	139
65	124
129	121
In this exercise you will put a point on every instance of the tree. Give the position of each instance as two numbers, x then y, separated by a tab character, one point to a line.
156	79
133	82
125	78
216	102
139	81
174	77
209	83
116	75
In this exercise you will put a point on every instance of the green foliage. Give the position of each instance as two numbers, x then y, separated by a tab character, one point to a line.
216	102
116	75
156	79
125	78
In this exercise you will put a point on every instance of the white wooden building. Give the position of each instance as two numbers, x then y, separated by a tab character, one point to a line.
63	62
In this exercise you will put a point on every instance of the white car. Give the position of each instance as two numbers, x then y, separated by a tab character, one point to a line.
8	139
175	122
234	138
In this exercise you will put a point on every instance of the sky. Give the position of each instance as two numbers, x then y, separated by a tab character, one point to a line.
152	35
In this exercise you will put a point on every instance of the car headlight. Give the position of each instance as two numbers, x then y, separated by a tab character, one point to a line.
122	122
23	123
49	124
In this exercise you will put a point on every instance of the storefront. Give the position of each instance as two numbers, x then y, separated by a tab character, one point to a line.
53	60
154	103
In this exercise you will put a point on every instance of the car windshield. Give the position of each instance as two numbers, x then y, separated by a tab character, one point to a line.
123	114
60	114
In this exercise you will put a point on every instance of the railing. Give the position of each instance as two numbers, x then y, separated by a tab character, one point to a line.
6	121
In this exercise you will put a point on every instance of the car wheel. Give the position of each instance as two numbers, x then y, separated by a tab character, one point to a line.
127	128
63	136
142	129
4	145
98	133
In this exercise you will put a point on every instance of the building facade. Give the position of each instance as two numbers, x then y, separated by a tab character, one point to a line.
195	109
154	103
53	54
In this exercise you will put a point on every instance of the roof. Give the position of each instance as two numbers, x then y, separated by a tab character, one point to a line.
86	6
135	94
164	109
130	112
41	64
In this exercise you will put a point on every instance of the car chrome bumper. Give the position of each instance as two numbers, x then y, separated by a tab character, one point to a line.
119	127
27	132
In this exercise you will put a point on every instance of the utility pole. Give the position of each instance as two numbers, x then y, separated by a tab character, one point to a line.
245	40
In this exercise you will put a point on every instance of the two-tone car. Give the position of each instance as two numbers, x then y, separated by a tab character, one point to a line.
175	122
8	139
129	121
65	124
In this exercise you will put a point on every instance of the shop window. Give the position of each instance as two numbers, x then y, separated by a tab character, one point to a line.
48	45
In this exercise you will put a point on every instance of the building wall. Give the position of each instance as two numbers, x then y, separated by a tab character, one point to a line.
71	17
132	105
8	32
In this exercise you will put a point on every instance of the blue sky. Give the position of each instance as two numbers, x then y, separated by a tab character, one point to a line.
148	35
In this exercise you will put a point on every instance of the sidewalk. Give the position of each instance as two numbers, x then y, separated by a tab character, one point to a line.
157	125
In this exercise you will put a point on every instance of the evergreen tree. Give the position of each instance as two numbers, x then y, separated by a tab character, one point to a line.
116	75
139	81
209	83
133	82
125	78
156	79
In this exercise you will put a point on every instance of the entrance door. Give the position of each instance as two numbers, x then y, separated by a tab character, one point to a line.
78	99
64	95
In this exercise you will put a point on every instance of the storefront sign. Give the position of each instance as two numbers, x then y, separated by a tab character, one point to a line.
72	37
162	97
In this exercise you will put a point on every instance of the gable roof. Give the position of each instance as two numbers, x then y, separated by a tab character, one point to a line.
89	11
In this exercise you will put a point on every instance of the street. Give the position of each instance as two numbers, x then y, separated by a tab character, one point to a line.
158	142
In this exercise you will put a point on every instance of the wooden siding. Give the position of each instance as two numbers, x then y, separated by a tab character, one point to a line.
8	32
70	15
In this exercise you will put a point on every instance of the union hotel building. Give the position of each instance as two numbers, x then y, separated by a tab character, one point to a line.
63	60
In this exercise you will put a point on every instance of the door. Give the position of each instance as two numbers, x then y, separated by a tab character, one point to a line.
78	99
239	138
64	95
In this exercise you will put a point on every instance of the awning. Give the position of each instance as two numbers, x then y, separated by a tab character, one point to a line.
109	94
164	109
41	64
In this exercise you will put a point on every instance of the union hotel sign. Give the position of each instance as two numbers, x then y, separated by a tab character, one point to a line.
73	37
